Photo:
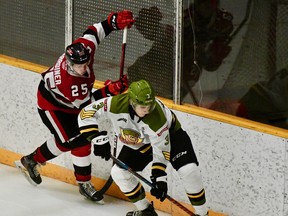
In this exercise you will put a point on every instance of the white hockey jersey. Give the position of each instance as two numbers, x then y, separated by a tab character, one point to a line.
131	130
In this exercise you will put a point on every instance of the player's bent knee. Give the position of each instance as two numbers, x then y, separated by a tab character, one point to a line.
118	174
191	177
125	180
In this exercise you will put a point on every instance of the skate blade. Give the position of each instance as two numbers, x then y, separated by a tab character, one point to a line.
100	202
22	169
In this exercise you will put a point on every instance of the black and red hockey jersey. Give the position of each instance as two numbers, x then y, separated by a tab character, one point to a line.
63	90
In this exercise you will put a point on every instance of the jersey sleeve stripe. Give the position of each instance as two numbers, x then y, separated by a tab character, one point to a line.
93	32
88	130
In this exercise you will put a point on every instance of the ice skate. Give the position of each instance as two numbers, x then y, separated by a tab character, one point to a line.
150	211
28	164
88	190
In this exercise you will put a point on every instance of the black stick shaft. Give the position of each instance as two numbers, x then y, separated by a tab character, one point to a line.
109	182
124	166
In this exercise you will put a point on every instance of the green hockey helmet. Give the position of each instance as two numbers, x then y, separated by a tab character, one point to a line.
142	93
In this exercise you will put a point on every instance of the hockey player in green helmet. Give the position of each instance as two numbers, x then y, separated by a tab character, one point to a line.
142	97
146	131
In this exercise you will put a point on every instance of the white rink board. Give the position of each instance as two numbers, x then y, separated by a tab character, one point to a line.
244	171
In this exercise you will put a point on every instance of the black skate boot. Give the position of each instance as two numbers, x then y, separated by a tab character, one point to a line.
88	190
31	166
150	211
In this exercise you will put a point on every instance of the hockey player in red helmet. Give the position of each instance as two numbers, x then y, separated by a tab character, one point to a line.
64	90
78	58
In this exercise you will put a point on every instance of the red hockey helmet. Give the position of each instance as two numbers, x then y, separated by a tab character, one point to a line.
77	53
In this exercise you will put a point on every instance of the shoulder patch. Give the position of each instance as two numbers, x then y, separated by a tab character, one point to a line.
98	106
86	114
166	155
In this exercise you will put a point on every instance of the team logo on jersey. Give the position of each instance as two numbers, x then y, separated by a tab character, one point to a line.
130	137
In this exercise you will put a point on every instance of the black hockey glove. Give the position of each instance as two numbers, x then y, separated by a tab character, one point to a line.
159	189
102	146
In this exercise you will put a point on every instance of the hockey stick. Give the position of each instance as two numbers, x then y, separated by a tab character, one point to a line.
246	17
126	167
123	52
110	180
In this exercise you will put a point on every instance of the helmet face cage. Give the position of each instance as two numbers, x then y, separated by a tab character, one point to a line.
77	53
151	106
141	93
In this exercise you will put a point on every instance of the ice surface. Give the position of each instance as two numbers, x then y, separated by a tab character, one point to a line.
52	197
